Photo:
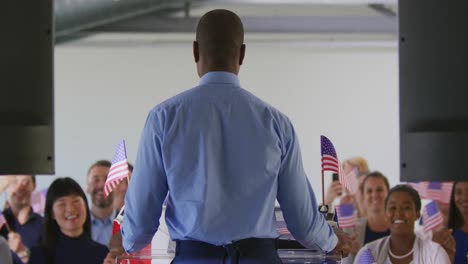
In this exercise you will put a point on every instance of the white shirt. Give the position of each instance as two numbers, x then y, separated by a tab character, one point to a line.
425	251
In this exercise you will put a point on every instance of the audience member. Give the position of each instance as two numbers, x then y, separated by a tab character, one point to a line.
374	190
102	210
23	226
67	228
402	209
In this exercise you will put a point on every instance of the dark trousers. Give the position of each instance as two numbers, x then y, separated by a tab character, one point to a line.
246	251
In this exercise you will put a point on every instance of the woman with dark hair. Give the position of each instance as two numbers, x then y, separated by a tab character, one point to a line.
402	246
67	228
458	220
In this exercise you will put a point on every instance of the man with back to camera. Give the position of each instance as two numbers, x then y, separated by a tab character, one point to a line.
225	156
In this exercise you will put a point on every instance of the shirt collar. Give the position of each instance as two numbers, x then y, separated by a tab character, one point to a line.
106	221
219	77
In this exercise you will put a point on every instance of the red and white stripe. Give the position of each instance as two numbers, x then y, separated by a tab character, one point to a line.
117	172
432	222
330	163
350	181
446	192
433	194
420	187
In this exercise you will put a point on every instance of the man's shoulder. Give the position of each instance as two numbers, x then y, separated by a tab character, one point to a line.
179	98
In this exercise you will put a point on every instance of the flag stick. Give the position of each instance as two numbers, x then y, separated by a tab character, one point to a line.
7	226
323	189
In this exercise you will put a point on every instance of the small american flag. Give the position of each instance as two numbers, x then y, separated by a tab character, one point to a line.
346	217
118	170
432	218
366	257
446	192
282	228
330	162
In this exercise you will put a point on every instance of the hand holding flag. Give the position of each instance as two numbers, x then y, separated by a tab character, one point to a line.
118	170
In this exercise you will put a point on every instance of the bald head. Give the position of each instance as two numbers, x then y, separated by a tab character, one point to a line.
219	40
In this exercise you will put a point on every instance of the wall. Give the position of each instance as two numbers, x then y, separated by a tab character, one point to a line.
346	90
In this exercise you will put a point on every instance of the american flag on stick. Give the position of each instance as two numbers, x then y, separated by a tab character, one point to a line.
432	218
330	162
346	217
118	170
366	257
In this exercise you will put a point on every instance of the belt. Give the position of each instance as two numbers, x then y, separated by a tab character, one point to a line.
234	250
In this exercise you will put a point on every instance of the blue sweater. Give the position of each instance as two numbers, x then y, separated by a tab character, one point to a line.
69	250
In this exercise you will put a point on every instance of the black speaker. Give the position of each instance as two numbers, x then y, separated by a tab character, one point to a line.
26	81
433	53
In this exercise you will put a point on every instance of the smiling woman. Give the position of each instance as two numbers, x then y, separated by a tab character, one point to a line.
67	228
402	209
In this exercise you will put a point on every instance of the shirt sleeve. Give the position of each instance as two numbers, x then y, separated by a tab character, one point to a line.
297	199
441	255
147	189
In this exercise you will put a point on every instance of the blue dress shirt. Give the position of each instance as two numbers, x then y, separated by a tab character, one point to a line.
225	156
101	231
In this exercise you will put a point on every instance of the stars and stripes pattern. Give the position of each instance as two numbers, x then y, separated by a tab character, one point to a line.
433	191
351	177
366	257
438	191
346	216
432	218
330	162
118	170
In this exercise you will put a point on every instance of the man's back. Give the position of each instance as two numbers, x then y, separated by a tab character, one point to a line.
222	151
